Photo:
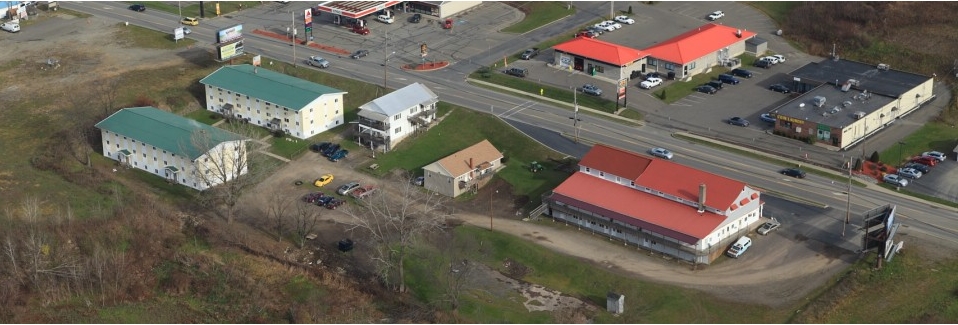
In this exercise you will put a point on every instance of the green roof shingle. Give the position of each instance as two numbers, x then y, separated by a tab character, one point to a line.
268	85
163	129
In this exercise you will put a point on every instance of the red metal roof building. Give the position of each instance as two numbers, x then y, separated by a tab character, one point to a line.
603	59
656	204
699	49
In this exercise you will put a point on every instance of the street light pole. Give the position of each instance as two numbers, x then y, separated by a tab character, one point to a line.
385	61
292	42
848	198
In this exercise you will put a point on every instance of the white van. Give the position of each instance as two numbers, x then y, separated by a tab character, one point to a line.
739	247
10	27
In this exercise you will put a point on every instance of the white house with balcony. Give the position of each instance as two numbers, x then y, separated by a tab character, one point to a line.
181	150
273	100
389	119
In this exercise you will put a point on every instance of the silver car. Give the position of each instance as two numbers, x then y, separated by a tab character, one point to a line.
661	153
896	180
318	61
768	227
909	173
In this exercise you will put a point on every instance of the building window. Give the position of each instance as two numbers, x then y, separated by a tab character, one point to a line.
588	170
336	100
398	130
221	100
144	155
602	174
632	183
107	141
397	117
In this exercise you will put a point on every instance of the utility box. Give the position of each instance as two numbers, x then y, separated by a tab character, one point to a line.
615	303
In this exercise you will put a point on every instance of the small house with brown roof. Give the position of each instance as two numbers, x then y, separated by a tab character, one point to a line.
655	204
466	170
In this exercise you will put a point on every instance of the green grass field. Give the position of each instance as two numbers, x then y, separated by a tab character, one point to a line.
142	37
192	9
538	14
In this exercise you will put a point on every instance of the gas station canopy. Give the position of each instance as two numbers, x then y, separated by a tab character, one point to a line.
355	9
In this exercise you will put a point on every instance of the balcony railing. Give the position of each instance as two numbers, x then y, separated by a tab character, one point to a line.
378	125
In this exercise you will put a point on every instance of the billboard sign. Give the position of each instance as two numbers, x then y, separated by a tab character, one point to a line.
308	14
257	61
229	34
227	51
178	33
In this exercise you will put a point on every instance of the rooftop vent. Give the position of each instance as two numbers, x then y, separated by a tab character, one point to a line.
819	101
858	115
846	103
835	110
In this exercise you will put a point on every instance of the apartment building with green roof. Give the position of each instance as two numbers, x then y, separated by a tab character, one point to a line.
179	149
273	100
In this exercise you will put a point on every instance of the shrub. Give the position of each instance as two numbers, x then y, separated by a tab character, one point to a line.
142	100
874	157
810	140
279	133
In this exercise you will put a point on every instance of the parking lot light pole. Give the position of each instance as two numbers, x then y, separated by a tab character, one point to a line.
900	144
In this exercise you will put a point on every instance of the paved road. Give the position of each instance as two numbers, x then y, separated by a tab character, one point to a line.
548	123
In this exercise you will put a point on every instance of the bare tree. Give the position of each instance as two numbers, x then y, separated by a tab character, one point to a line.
277	208
394	220
108	91
304	221
231	167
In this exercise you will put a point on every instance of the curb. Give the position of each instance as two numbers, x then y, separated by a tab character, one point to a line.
590	110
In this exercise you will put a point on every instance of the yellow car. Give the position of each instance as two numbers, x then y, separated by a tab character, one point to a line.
323	180
190	21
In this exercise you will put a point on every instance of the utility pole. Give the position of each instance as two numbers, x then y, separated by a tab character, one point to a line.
180	8
611	10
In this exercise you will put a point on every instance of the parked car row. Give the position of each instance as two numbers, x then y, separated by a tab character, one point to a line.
766	62
713	86
915	168
330	150
605	26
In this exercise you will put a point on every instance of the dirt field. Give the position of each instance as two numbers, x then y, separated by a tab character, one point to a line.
776	278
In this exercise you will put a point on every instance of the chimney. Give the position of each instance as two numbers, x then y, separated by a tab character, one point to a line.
470	163
701	197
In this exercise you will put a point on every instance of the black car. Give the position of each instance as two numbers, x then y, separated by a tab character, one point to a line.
359	54
924	169
727	78
779	88
741	73
706	89
653	75
715	84
793	172
762	64
415	18
138	7
518	72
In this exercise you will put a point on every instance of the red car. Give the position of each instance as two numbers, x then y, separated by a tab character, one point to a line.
586	33
360	30
928	161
